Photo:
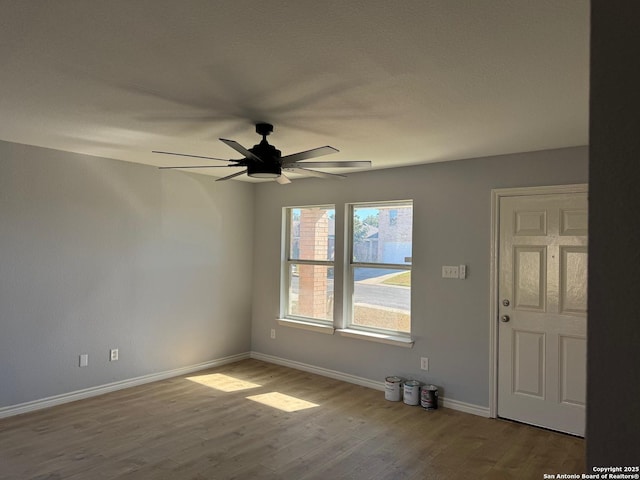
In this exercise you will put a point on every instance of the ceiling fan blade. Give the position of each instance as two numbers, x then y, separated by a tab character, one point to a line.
231	176
282	179
315	173
239	148
313	153
199	166
192	156
357	163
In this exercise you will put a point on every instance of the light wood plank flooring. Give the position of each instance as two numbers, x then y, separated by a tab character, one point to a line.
203	426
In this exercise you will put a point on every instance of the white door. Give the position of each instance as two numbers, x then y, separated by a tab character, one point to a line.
542	333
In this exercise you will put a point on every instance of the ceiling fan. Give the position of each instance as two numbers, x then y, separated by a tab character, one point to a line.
265	161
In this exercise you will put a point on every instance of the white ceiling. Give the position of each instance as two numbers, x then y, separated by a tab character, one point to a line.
394	82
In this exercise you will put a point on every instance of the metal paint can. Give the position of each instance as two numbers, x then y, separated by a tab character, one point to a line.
412	392
429	397
392	389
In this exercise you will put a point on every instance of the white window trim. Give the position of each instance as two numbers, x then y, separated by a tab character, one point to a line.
398	340
340	315
358	331
307	323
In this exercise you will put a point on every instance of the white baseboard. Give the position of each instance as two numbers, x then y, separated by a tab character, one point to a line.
154	377
345	377
112	387
464	407
365	382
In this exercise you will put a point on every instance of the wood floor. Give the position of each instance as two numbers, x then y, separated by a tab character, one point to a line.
204	426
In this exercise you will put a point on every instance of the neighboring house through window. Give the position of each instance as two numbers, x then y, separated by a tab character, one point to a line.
380	266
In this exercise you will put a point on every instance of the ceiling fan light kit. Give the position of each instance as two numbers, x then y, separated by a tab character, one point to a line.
266	161
264	171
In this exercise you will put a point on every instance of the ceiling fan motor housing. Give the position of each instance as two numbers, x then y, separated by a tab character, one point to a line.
271	165
268	153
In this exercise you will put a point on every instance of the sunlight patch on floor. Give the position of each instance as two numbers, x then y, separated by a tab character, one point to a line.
282	402
222	382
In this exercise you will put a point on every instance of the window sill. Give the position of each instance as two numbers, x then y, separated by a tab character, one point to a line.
313	327
396	340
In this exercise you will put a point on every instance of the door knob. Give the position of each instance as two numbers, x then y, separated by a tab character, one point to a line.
504	318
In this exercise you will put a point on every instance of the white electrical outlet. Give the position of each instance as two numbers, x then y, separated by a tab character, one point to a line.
424	363
84	360
113	354
449	271
273	333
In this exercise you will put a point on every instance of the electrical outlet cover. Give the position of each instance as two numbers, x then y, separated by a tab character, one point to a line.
84	360
424	363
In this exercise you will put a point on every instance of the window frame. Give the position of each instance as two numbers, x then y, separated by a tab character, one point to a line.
351	265
288	261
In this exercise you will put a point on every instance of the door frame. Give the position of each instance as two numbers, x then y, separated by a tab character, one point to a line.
496	195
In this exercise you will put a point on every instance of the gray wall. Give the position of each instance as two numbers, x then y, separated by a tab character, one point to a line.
451	226
613	389
96	254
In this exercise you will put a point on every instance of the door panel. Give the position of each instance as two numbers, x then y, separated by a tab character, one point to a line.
573	355
573	280
542	343
528	363
574	222
530	274
530	223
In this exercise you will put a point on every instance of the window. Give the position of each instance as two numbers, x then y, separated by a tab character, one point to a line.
309	263
375	302
393	216
380	266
